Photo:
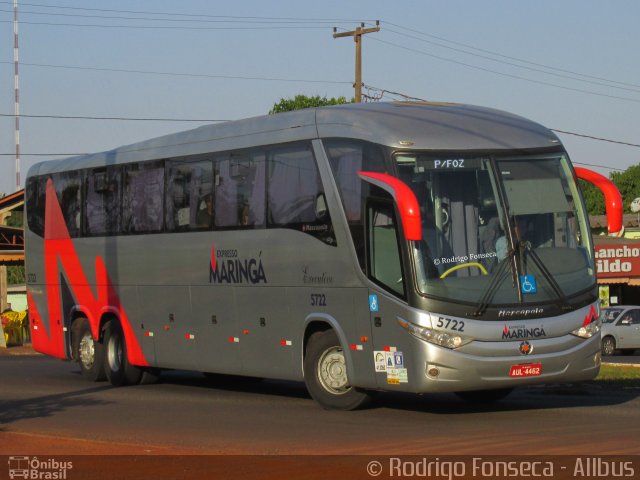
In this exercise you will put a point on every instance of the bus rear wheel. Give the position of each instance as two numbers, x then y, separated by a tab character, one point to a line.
325	374
117	367
89	353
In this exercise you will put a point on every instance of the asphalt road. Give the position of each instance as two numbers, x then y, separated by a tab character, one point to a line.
46	398
623	359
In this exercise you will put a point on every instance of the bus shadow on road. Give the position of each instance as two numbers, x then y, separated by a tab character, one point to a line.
521	399
526	398
49	405
236	383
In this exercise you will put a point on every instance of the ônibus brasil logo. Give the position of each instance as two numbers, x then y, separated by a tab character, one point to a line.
227	267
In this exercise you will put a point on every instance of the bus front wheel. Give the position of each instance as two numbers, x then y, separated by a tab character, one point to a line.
325	374
117	367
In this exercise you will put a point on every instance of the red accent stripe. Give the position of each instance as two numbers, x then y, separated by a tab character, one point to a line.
60	250
592	316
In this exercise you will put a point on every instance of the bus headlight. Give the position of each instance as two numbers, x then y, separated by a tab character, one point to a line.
437	337
587	331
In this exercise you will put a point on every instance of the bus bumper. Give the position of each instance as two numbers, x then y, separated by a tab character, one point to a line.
443	370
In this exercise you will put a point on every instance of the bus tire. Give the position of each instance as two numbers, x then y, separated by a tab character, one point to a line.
325	374
483	397
88	352
116	365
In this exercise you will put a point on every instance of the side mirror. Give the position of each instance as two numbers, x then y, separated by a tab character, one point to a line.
321	207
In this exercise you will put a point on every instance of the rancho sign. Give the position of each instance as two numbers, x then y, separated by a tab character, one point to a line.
618	260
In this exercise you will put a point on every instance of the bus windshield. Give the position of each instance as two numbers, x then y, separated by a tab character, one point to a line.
499	231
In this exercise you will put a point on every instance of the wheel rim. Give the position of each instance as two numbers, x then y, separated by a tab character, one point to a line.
332	371
608	346
114	353
87	351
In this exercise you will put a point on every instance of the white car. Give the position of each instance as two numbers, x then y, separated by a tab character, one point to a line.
620	329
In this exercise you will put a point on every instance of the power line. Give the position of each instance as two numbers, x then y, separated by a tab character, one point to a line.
591	137
134	119
568	75
164	27
44	154
198	19
511	57
598	166
182	74
503	74
198	15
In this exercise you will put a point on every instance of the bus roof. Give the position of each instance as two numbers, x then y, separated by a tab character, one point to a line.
415	125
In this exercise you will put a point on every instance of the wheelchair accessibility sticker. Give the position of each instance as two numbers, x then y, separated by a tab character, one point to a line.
373	303
528	284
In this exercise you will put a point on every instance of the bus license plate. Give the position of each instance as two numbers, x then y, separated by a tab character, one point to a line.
529	370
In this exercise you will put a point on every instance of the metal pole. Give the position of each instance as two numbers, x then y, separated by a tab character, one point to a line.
16	82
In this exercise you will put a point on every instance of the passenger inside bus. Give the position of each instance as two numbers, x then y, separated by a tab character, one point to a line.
205	215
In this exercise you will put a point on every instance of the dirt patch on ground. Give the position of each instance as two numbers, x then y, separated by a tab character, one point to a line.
33	444
18	350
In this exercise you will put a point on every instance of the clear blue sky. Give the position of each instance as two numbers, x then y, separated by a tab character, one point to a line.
583	73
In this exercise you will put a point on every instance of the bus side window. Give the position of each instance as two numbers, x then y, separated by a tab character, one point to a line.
189	195
296	198
68	190
35	197
102	201
347	158
142	201
240	190
385	265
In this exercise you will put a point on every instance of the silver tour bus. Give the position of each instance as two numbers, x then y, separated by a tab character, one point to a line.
414	247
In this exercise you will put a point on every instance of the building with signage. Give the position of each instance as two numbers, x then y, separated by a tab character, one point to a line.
618	263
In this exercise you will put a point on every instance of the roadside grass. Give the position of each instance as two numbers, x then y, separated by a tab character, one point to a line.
618	376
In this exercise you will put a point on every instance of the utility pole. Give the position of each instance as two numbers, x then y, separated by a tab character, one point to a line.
357	38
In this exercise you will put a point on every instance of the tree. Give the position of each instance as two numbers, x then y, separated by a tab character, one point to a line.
593	198
303	101
628	182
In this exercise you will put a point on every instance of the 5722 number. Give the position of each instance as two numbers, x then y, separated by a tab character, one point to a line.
318	300
450	323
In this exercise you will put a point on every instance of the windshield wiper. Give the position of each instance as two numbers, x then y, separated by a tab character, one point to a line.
496	281
499	276
562	298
